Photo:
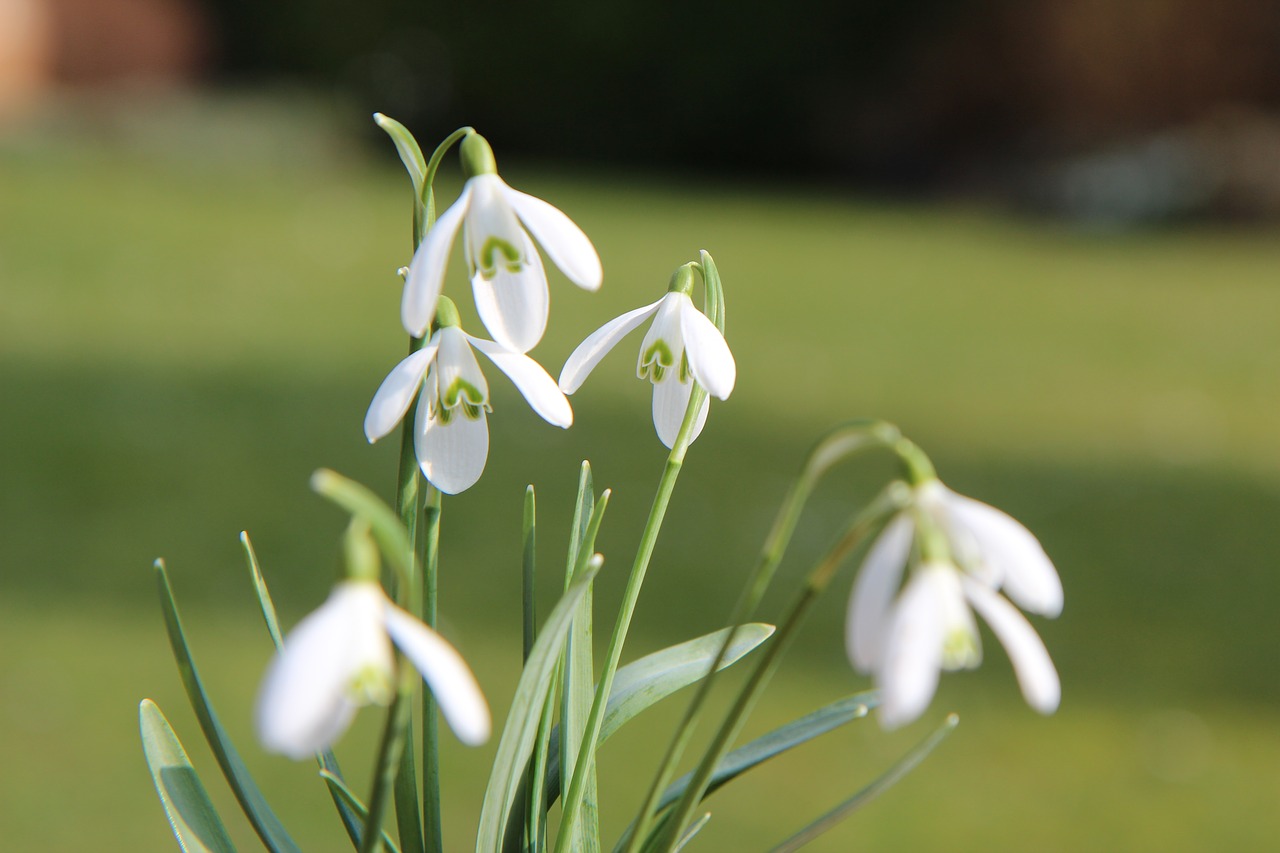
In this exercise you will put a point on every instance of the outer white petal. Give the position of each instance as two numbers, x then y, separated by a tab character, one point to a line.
426	270
447	674
709	357
1031	663
304	703
514	306
564	242
670	400
396	392
1027	575
452	455
873	591
589	352
908	674
534	382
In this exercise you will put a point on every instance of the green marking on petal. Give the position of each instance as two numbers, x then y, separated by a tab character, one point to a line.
371	685
685	371
510	257
960	650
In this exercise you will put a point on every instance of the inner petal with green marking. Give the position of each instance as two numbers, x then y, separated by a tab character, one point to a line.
497	251
462	396
656	360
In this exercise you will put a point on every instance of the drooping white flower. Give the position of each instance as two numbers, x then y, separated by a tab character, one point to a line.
906	640
451	433
339	658
507	276
681	345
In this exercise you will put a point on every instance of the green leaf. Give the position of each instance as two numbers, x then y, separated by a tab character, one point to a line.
714	290
191	815
326	759
579	675
386	526
647	681
521	727
694	829
341	793
263	819
763	748
407	147
882	783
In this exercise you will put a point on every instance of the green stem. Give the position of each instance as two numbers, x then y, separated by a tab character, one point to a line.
833	448
866	523
430	547
648	538
393	736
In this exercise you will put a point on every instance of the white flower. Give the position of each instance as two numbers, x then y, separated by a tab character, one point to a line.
930	627
451	434
507	277
681	344
339	658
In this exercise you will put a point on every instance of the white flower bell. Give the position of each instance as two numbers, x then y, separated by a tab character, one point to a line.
507	276
906	642
681	345
451	433
339	658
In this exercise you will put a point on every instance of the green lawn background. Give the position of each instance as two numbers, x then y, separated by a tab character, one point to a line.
198	306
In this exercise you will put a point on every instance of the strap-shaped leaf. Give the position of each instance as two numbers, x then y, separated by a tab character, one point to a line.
192	817
407	147
263	819
647	681
341	793
521	727
327	761
882	783
767	746
694	829
579	672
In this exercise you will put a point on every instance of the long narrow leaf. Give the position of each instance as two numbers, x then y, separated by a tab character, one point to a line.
694	829
264	820
327	761
521	728
407	147
885	781
579	675
192	817
339	791
647	681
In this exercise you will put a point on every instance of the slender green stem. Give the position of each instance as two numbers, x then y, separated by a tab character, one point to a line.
648	538
430	548
837	446
388	761
862	526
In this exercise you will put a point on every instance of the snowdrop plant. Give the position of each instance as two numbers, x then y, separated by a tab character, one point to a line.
930	558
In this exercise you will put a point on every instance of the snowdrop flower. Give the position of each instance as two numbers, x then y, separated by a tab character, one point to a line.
507	277
339	658
930	627
681	344
451	434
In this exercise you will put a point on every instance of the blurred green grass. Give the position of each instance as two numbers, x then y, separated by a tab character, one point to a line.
192	323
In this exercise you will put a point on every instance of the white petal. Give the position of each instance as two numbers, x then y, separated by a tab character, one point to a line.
599	342
563	241
908	674
873	591
1027	575
709	357
455	362
304	703
514	306
426	270
490	218
397	391
534	382
670	400
445	672
452	455
1031	663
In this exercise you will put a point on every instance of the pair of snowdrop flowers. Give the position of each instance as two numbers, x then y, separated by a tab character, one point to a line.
905	640
451	435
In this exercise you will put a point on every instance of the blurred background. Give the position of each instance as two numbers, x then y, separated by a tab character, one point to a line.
1040	236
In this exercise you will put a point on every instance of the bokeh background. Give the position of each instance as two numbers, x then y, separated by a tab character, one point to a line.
1040	236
